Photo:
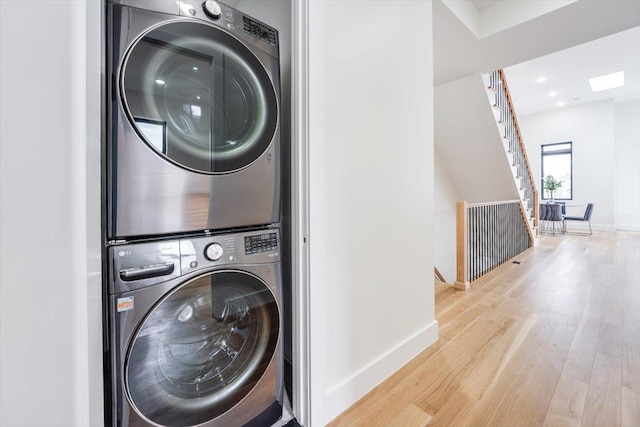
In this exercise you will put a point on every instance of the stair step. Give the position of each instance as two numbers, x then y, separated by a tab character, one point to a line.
486	79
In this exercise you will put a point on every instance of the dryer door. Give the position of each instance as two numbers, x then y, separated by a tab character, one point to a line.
199	97
202	349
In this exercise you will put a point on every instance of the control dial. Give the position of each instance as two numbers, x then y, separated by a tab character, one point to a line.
213	252
212	9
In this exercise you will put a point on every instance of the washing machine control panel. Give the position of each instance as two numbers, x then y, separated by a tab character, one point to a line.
253	247
260	243
137	265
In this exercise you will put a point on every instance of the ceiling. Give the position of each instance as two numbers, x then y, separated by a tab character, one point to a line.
568	71
484	4
459	53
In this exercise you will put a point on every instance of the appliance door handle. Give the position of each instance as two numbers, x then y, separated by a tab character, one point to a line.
146	272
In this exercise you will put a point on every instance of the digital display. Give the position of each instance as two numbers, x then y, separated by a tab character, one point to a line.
260	243
258	30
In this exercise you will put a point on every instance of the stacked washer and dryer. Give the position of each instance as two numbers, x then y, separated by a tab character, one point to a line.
193	289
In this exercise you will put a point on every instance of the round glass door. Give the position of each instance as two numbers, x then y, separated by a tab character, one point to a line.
202	349
199	97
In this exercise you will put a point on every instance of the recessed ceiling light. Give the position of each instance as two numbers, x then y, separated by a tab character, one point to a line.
552	93
560	104
160	81
609	81
541	79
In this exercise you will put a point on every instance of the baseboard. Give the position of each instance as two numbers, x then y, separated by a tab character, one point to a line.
627	227
597	227
581	226
349	391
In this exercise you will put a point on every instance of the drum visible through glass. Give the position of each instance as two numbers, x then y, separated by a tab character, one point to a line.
202	349
209	93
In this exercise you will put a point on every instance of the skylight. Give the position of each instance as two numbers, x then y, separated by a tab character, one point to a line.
609	81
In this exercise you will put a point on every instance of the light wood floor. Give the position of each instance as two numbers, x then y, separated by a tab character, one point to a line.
553	341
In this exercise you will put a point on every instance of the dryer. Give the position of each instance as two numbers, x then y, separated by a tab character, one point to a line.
195	327
193	126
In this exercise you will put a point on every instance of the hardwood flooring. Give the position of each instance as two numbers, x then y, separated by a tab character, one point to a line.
553	341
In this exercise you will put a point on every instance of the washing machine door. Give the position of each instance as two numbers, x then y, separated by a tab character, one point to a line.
202	349
199	97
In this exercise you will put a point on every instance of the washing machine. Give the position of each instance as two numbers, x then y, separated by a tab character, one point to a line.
195	331
193	126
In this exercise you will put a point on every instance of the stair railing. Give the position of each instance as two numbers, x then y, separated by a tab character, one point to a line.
517	151
488	235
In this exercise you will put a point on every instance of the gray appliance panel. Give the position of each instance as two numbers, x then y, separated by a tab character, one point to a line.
140	265
149	195
232	20
262	263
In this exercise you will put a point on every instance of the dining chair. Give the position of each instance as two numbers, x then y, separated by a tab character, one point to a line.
585	218
542	217
555	217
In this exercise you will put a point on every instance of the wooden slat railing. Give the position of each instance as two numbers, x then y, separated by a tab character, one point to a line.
488	235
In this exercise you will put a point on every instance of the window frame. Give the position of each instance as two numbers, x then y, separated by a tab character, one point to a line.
554	153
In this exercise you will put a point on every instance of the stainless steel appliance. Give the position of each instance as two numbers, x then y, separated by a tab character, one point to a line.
193	126
195	328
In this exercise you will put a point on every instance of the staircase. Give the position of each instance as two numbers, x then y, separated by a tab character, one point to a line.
507	123
479	144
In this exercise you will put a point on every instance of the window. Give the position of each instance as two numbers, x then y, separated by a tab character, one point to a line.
155	132
557	161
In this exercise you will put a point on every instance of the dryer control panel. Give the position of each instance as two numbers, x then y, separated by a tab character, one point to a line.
259	30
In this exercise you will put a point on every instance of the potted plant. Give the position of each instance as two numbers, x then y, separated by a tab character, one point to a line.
551	184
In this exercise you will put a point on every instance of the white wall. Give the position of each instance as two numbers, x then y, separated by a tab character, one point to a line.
469	142
627	165
444	205
591	128
371	192
50	292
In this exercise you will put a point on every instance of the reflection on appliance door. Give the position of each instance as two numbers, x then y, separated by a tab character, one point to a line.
202	349
193	101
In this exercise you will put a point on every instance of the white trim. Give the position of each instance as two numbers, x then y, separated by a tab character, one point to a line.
301	336
85	126
583	225
596	227
79	254
341	396
627	227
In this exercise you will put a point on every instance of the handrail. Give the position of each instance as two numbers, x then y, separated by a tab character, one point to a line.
502	202
489	234
534	188
517	151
